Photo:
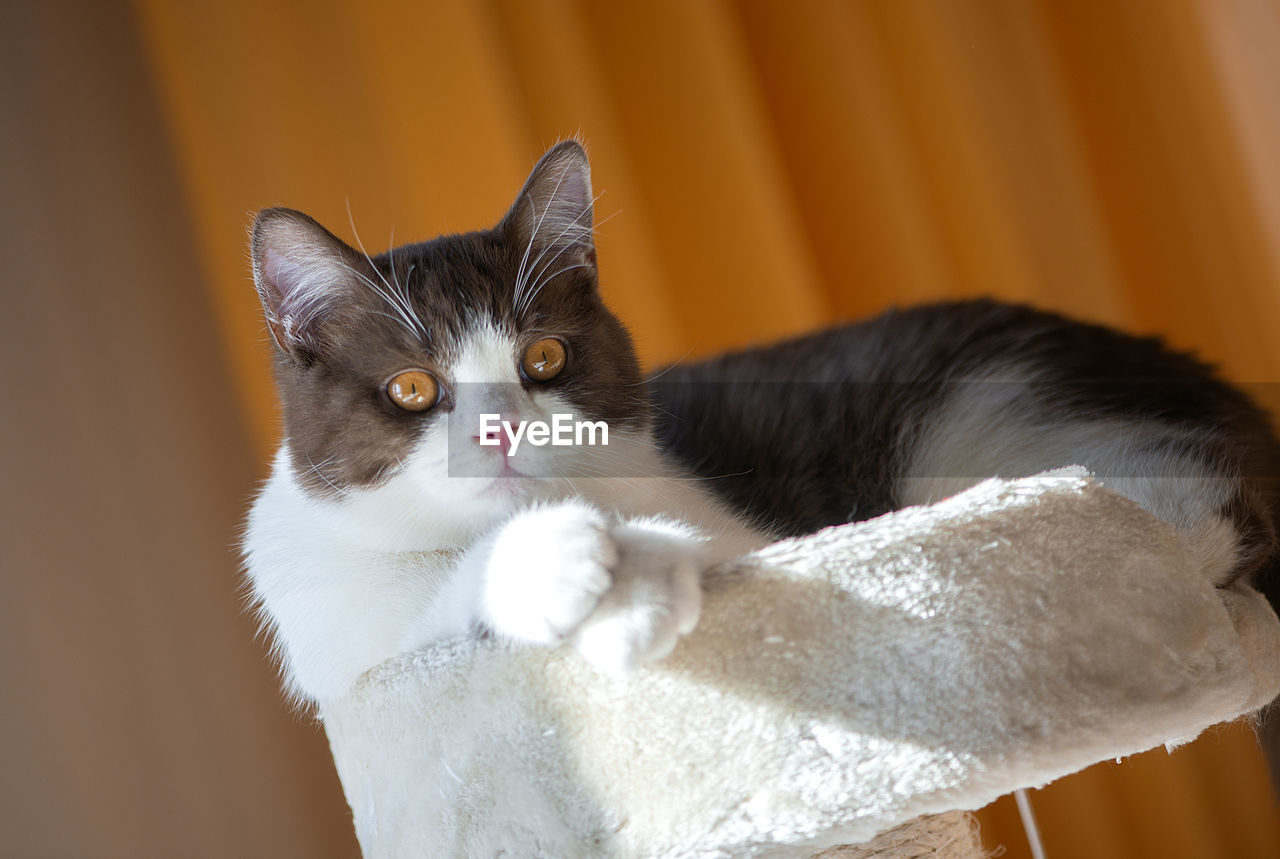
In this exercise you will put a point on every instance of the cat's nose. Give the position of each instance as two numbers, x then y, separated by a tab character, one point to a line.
494	437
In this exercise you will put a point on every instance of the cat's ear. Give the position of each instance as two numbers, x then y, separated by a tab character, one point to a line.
304	274
553	217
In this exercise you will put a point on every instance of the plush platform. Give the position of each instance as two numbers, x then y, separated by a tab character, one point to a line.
838	686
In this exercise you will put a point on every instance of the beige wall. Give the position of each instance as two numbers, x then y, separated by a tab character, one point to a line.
770	167
138	716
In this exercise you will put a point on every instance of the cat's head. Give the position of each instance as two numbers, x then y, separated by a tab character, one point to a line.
385	364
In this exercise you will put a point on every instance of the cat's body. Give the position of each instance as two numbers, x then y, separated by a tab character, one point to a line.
390	522
916	405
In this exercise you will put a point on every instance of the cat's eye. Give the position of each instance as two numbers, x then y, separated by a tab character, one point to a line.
544	360
413	390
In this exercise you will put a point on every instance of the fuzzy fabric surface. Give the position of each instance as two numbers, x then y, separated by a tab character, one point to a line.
837	685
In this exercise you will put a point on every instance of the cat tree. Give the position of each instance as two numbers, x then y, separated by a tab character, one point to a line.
861	686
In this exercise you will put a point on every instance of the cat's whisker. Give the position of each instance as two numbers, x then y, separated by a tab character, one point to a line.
650	487
392	296
533	233
544	281
407	321
404	292
657	408
569	226
404	315
584	232
360	244
596	462
575	224
664	371
408	274
396	319
524	260
315	469
539	279
400	291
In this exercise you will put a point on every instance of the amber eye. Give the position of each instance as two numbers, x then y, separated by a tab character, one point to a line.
413	390
544	360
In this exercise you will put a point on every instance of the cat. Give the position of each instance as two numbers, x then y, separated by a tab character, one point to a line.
400	512
396	514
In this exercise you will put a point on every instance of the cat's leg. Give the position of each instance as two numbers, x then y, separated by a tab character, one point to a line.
622	592
545	570
655	596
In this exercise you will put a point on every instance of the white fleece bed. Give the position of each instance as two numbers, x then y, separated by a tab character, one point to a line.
837	686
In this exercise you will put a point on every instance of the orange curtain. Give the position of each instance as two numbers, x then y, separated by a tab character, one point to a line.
768	168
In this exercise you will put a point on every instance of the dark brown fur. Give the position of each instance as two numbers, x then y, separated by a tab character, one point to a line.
343	431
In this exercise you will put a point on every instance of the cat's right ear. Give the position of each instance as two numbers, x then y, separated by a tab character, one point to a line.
303	274
553	214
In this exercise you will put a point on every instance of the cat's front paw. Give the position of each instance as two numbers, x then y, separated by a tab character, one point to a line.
547	570
622	593
655	598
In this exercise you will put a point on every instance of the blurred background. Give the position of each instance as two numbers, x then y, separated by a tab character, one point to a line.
766	168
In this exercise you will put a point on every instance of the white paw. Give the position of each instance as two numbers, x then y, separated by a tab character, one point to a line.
623	594
656	597
547	571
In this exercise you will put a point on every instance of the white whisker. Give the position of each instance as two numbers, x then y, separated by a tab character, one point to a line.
574	229
408	322
394	296
583	232
544	281
315	469
665	370
534	232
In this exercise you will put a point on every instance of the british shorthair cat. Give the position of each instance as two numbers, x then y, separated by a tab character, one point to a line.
434	481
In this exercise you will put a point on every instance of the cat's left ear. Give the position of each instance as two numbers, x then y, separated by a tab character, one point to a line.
553	217
306	278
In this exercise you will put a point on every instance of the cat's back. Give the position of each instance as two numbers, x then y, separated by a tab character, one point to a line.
776	427
821	429
944	342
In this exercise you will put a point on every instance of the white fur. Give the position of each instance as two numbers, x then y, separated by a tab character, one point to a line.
546	604
346	583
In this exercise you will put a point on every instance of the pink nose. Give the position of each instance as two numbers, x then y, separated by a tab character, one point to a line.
503	443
